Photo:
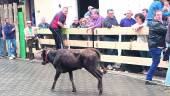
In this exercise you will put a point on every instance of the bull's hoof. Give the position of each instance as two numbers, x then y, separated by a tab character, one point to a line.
52	90
43	63
100	94
74	90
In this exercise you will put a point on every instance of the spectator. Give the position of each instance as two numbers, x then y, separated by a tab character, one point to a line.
108	22
42	25
140	19
30	39
95	19
75	23
1	43
167	80
128	21
166	8
156	5
83	23
9	35
145	13
56	25
156	43
88	13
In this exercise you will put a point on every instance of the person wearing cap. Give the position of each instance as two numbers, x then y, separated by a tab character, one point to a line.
30	38
56	25
88	13
9	35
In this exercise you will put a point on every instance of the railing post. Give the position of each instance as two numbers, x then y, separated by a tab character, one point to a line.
68	38
120	50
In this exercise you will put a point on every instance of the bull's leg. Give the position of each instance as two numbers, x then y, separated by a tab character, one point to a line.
55	79
98	75
72	81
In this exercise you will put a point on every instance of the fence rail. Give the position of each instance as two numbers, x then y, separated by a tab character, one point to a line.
131	45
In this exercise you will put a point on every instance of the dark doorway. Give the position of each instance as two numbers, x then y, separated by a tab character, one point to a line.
83	5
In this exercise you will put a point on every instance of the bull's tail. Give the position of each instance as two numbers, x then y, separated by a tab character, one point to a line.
97	52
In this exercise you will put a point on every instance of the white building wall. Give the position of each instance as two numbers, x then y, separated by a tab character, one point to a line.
48	9
121	6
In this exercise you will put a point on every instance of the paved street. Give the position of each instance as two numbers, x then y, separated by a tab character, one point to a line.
22	78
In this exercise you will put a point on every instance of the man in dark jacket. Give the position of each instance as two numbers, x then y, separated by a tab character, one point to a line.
167	80
109	22
156	5
156	43
56	25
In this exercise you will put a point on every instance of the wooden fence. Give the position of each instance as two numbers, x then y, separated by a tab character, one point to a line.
131	45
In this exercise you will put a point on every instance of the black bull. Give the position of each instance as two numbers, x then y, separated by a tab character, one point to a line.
68	60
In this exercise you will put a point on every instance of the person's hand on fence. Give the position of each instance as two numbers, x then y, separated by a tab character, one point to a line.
60	24
137	27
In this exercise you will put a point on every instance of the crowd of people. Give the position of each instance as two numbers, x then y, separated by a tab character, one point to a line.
157	18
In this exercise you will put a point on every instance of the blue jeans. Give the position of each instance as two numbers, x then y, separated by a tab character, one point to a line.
1	47
11	46
155	53
167	80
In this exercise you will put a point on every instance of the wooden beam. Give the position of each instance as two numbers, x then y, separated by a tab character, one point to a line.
121	31
77	43
78	31
75	31
131	60
100	31
43	31
101	44
47	41
121	45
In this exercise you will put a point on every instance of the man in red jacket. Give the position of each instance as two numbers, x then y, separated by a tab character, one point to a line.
56	25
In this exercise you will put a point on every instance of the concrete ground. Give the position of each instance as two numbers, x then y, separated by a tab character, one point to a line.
23	78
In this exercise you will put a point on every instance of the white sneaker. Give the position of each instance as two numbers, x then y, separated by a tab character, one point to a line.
10	58
13	56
